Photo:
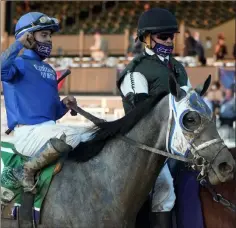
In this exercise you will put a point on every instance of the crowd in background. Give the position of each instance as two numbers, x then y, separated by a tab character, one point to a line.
195	47
219	98
115	16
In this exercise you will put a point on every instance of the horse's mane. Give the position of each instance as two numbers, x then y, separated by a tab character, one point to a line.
108	130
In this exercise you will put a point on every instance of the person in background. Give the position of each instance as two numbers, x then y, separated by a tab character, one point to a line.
199	48
220	48
208	46
208	102
146	7
100	48
208	43
205	97
215	96
190	44
228	107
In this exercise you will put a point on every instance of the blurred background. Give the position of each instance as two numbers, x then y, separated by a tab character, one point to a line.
97	41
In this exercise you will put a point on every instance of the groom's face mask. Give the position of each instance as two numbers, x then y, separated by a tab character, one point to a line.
163	44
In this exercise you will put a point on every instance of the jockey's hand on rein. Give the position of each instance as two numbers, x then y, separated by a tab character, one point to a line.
28	40
69	102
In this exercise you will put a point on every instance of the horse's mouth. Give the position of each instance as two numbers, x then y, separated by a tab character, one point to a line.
217	178
213	178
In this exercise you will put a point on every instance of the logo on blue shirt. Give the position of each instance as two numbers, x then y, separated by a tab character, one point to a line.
46	72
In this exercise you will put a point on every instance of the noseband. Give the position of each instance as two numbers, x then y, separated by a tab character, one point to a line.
192	102
199	162
196	161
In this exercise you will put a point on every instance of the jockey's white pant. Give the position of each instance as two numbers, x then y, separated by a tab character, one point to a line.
29	139
163	194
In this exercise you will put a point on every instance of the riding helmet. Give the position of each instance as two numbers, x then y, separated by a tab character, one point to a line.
156	20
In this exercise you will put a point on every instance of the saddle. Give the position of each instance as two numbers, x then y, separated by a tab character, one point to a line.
15	204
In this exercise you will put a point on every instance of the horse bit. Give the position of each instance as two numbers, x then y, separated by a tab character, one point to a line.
196	161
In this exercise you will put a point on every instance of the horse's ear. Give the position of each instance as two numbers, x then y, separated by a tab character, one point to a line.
205	86
174	87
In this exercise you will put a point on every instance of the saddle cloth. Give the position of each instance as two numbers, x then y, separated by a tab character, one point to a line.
11	190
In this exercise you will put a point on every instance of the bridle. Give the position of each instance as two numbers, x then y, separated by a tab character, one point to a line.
197	162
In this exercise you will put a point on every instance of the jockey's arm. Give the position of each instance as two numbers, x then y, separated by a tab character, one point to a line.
135	87
135	84
61	108
66	104
9	64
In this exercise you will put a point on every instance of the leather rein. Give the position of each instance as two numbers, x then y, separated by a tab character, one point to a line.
196	162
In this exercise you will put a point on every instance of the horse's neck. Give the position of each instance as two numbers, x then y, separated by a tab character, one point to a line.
152	129
140	168
122	175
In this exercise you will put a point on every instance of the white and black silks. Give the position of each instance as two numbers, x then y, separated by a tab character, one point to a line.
135	88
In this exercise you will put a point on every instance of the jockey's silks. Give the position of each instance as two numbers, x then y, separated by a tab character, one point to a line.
156	73
29	88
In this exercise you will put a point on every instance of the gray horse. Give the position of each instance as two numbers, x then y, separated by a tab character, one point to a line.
109	189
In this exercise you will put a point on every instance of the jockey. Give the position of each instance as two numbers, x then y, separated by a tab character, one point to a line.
31	97
146	75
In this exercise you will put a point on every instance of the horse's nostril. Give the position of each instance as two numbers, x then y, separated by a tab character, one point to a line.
224	167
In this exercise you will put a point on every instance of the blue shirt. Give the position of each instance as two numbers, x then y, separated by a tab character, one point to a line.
29	88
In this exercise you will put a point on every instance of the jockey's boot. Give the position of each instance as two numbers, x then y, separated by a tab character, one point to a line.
49	153
161	220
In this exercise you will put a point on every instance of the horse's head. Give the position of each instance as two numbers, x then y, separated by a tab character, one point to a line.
198	134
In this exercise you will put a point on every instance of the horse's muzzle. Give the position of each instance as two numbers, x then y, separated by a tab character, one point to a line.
223	168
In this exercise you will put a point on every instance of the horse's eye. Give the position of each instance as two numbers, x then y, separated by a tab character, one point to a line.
191	120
